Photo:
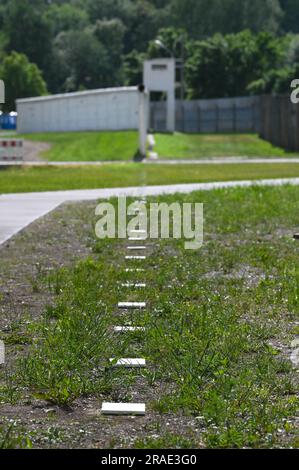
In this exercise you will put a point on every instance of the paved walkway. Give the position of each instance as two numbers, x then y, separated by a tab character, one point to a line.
222	161
205	161
19	210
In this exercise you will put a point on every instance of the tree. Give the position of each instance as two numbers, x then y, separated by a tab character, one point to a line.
83	59
22	79
28	31
224	66
141	17
133	68
175	41
66	17
110	34
292	50
107	9
202	18
290	22
145	22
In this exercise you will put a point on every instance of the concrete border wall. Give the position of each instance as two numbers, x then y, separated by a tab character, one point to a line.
280	121
93	110
210	116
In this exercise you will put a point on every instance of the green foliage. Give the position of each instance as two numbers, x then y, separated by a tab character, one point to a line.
22	79
28	30
84	59
290	20
70	359
203	18
13	436
133	68
111	33
226	65
175	41
65	17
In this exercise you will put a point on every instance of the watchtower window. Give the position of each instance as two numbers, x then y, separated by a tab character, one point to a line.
159	67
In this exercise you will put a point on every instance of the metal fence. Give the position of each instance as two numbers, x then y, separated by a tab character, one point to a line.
210	116
280	121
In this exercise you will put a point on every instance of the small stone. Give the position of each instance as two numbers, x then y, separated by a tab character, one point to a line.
295	343
295	357
50	410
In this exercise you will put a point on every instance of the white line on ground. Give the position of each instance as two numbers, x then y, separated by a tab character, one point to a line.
135	258
222	161
129	363
199	161
131	304
128	329
133	286
140	248
136	239
123	409
134	270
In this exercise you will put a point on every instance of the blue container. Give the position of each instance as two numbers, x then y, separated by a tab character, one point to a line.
8	122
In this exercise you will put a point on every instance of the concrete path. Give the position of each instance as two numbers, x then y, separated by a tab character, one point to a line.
19	210
222	161
206	161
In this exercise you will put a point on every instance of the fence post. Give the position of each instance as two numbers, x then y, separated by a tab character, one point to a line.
234	117
199	116
143	119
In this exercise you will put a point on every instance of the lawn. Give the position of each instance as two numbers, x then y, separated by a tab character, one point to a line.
29	179
218	326
87	146
195	146
111	146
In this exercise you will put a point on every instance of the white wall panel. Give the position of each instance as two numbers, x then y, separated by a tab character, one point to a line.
106	109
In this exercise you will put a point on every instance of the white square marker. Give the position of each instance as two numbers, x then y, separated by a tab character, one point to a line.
129	363
135	258
131	304
134	270
137	409
139	248
134	286
128	329
2	353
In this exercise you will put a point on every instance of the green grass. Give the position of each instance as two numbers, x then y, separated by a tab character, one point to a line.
196	146
110	146
30	179
13	436
87	146
215	324
60	368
